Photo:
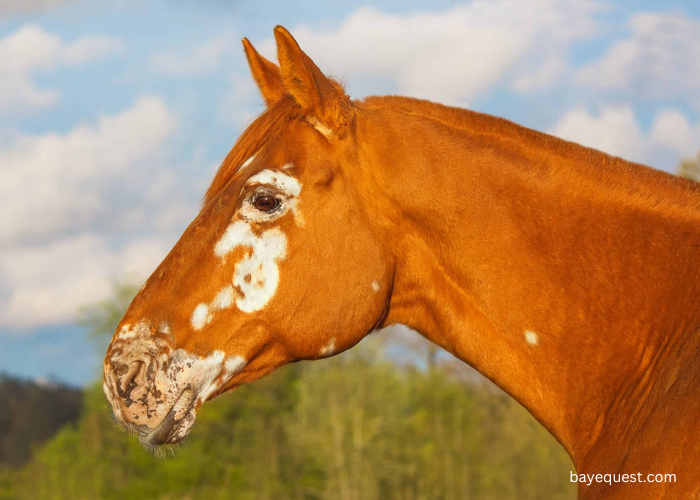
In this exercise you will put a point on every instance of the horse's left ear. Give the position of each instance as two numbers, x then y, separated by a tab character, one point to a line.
266	74
322	100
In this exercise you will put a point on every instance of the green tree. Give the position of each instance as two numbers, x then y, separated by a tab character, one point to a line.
100	320
352	427
690	168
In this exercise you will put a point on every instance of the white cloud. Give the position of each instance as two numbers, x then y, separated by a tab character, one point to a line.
90	48
616	130
75	207
455	55
201	61
32	50
48	284
241	103
546	74
53	184
660	58
10	7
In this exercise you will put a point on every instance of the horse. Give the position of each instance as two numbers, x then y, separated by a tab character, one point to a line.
568	277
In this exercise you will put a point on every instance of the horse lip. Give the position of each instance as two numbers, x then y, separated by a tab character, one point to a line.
162	434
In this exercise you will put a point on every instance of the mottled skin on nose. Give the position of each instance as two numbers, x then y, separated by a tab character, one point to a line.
155	389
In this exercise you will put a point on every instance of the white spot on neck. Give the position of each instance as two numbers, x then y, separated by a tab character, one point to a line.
375	286
531	337
329	348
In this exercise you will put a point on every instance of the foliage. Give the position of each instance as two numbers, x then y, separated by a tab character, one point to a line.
352	427
690	168
101	319
31	413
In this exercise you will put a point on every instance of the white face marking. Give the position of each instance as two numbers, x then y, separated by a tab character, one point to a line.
375	286
234	364
126	332
200	316
329	348
247	162
203	313
328	133
285	183
531	337
164	328
290	189
256	275
225	298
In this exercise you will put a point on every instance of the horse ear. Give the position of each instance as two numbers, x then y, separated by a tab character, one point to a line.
265	73
321	99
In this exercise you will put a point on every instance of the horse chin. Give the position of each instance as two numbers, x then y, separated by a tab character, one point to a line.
175	426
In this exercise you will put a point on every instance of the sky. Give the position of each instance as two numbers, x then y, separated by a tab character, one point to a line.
115	115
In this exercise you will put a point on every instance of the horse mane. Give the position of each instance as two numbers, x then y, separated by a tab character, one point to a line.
616	173
267	125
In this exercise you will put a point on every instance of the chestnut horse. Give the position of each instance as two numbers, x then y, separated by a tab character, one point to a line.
568	277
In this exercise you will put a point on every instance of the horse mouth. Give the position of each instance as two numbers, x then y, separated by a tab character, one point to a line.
176	424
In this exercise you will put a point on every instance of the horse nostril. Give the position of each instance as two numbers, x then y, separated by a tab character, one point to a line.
132	378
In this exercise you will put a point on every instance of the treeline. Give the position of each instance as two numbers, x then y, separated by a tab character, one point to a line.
354	427
30	413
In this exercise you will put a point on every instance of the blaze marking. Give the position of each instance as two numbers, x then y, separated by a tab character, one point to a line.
225	298
256	275
203	313
531	337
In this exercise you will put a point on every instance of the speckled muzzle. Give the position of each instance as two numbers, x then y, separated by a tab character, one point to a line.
154	389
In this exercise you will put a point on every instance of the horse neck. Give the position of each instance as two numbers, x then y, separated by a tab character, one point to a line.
558	272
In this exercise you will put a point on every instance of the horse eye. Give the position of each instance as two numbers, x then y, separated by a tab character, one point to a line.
266	203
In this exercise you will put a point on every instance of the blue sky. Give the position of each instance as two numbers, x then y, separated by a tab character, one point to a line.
115	115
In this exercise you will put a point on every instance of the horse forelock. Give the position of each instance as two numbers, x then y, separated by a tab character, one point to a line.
266	126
